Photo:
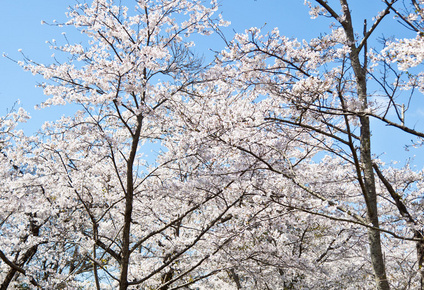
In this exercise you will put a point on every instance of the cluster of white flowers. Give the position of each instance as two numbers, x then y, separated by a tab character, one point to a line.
257	180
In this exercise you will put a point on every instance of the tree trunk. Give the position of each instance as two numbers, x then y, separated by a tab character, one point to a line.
129	197
369	190
367	177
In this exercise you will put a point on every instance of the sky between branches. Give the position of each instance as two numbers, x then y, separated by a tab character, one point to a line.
21	29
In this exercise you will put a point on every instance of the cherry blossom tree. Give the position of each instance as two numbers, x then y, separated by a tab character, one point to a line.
103	212
297	116
264	176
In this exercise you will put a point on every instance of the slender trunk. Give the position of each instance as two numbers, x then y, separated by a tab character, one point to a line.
126	238
129	197
369	193
377	258
367	182
96	274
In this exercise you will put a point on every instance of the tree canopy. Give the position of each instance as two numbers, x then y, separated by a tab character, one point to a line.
265	176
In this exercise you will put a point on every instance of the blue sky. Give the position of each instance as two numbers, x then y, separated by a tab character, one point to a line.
20	28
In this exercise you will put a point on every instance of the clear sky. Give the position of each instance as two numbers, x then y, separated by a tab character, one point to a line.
20	28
